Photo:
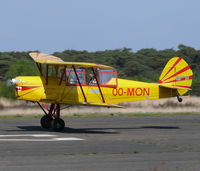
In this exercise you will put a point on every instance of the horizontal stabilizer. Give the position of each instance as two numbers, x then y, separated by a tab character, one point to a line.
176	87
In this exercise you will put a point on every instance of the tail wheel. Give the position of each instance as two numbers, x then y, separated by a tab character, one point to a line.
46	121
179	99
57	124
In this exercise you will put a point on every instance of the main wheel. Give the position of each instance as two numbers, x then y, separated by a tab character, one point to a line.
57	124
46	121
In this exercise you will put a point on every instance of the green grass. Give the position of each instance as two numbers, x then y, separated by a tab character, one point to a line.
92	115
19	116
129	114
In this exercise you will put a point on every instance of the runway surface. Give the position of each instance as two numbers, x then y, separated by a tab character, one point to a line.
103	143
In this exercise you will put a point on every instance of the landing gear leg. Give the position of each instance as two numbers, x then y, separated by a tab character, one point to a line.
52	119
57	124
179	99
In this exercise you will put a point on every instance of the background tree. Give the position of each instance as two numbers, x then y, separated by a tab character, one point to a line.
143	65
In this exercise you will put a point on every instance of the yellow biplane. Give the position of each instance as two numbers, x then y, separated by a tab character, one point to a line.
78	83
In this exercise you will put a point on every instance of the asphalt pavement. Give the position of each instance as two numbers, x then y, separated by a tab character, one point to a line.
164	143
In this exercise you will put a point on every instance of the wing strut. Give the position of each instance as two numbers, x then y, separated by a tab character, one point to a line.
79	83
47	70
39	68
63	75
103	99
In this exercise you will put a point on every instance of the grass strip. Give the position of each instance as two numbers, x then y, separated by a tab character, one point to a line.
92	115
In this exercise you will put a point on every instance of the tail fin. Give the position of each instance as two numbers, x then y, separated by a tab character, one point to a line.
177	74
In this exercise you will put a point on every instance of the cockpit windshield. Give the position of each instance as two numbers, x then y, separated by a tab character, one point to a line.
108	77
72	79
105	77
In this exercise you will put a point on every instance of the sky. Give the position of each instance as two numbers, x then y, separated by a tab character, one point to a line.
98	25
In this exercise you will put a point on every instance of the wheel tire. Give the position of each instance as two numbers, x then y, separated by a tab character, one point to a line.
57	125
180	99
45	121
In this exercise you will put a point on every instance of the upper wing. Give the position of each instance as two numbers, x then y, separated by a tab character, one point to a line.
53	60
44	58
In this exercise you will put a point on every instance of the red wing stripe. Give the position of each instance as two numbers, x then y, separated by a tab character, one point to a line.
178	60
179	72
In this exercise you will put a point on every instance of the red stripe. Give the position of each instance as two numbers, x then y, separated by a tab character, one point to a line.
178	60
160	81
182	79
28	87
184	86
181	71
172	81
45	106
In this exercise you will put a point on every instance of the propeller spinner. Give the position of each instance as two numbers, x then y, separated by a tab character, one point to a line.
11	82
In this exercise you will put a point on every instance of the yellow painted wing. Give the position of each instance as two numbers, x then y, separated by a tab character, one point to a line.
44	58
53	60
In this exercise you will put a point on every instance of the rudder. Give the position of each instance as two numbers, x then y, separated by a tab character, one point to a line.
177	73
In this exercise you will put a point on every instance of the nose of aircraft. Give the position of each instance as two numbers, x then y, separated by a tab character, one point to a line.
11	82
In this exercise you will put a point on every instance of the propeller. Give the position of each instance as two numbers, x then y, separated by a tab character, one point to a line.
11	82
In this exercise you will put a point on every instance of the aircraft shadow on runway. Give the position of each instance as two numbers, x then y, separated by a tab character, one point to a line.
110	130
71	130
103	130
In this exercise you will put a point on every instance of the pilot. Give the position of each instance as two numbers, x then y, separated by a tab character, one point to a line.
93	80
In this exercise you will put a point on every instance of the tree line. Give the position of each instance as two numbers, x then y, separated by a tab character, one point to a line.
142	65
